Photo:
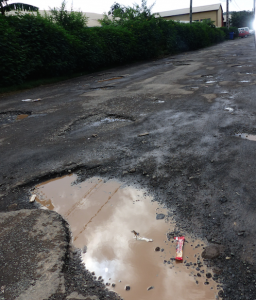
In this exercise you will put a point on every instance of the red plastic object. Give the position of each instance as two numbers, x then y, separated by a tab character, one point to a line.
179	247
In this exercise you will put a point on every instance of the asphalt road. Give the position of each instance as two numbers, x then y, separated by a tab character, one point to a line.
191	105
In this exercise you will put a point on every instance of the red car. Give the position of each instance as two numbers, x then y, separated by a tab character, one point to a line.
243	32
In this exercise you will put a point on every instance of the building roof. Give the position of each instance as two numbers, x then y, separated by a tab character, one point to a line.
185	11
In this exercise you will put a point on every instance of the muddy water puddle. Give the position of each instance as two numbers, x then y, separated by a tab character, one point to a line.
246	136
12	116
21	117
99	123
108	120
102	215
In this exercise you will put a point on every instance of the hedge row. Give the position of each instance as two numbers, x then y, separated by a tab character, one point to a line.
228	30
33	47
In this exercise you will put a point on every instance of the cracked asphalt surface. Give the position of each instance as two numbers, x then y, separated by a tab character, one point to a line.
168	125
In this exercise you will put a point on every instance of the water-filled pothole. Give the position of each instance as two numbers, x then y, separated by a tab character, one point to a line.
97	122
250	137
207	76
12	116
103	214
21	117
102	88
108	120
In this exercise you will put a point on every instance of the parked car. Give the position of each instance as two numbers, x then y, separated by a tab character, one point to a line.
251	31
243	32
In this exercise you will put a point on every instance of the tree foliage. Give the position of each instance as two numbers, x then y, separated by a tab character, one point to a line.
4	7
69	20
119	14
242	19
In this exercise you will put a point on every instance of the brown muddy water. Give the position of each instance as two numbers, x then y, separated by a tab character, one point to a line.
102	215
21	117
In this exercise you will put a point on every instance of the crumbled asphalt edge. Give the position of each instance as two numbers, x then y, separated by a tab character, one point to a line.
24	270
80	280
236	277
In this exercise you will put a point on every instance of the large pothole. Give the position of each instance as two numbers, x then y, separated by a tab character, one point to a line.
96	123
102	215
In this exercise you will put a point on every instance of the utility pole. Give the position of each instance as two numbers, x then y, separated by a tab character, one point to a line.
190	15
227	15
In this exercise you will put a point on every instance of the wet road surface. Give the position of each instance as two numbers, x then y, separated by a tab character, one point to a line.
181	128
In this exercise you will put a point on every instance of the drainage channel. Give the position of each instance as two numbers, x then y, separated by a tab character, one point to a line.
105	217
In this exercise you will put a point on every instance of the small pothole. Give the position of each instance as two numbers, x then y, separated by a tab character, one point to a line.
13	116
113	78
102	88
250	137
207	76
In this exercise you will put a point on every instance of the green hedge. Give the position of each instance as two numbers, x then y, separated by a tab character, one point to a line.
33	47
228	30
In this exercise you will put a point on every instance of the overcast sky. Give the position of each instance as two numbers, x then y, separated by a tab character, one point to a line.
100	6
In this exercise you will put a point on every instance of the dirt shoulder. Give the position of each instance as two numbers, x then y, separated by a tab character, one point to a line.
190	106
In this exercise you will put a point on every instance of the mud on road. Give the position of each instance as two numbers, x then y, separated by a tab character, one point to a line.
181	128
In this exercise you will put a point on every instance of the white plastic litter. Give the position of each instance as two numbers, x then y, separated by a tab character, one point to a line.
32	100
137	237
143	239
32	198
229	109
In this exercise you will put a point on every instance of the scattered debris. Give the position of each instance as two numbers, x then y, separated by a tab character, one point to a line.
207	76
246	136
135	232
160	216
94	135
127	288
179	247
150	288
241	233
223	199
143	134
32	100
137	237
211	252
229	109
32	198
157	249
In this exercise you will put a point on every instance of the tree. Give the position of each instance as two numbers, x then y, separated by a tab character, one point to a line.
242	19
71	21
4	6
209	23
114	7
121	14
